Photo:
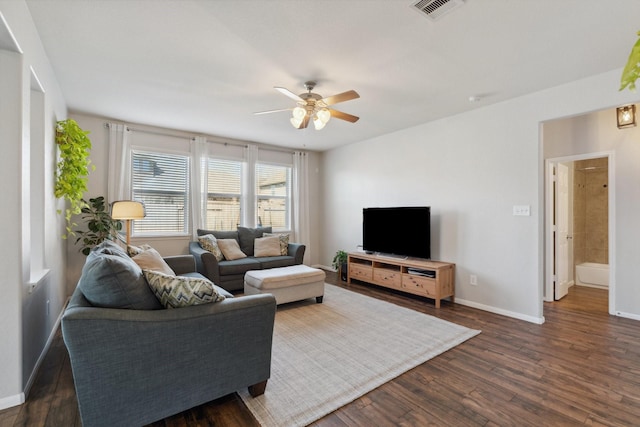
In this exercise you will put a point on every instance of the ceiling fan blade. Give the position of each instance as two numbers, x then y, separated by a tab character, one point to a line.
344	116
288	93
341	97
272	111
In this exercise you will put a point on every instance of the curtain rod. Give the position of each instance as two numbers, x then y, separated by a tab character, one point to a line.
237	144
150	132
260	147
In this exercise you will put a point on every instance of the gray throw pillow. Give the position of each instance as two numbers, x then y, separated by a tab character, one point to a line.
248	235
115	281
110	247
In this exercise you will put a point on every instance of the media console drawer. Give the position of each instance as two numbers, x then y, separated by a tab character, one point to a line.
361	272
387	277
418	283
431	279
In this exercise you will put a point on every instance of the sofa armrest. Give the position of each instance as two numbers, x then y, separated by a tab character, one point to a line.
181	264
206	263
296	250
193	354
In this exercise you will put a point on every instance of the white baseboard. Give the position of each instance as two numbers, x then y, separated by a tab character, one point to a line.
628	315
520	316
324	267
490	309
11	401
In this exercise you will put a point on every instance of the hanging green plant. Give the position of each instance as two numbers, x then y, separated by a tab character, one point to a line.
73	168
631	71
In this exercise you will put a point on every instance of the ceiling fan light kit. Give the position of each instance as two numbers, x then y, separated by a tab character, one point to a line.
313	107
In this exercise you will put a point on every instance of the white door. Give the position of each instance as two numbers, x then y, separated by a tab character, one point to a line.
562	237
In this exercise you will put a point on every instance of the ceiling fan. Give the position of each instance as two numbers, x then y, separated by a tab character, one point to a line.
313	107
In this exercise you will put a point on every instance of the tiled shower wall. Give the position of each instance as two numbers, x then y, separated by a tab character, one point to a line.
591	211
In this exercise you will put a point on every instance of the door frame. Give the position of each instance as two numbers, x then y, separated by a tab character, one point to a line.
548	222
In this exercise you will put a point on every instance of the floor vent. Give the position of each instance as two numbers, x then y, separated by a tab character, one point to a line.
436	9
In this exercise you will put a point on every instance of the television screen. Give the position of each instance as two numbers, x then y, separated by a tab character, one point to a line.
404	231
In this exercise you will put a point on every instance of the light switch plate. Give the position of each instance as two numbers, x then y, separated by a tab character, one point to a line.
522	210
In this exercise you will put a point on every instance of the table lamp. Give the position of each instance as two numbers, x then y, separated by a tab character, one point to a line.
127	210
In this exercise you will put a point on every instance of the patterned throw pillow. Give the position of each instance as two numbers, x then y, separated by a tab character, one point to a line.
284	241
208	242
181	291
136	250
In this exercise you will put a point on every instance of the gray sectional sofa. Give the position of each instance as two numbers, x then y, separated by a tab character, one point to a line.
142	363
230	274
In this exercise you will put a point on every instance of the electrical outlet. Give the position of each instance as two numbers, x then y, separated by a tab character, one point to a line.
522	210
473	280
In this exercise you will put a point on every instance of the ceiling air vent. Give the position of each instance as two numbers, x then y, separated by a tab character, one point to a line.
435	9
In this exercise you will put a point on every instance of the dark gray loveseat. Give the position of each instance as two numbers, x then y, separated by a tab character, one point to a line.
133	366
230	274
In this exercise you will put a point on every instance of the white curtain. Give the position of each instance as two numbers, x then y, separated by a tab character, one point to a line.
249	187
300	202
119	167
199	183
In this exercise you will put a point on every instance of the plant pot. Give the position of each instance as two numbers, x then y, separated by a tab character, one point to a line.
343	271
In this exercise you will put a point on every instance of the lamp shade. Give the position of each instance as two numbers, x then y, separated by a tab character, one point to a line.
127	209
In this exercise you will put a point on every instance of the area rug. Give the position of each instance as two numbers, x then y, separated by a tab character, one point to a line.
327	355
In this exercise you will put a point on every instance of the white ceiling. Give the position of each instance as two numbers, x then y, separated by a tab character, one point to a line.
205	66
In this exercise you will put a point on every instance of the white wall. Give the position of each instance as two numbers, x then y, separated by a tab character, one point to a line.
28	317
165	245
471	169
594	133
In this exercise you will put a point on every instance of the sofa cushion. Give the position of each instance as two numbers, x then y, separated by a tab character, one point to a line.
284	241
248	235
238	266
266	246
150	259
181	291
208	242
115	281
276	261
230	249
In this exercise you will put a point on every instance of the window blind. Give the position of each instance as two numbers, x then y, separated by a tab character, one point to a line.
224	191
273	194
161	182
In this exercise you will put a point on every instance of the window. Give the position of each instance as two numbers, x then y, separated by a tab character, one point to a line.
161	182
273	194
224	190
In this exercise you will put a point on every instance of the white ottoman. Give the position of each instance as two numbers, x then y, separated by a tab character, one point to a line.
286	284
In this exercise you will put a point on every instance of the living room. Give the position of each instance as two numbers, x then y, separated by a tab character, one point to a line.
471	167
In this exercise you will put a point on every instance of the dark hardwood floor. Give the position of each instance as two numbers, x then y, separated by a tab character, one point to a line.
582	367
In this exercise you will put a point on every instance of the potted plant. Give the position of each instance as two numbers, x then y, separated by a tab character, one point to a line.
73	168
100	225
339	263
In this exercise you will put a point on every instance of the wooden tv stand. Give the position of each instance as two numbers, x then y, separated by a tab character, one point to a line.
431	279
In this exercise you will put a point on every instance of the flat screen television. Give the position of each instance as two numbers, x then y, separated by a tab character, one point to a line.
399	231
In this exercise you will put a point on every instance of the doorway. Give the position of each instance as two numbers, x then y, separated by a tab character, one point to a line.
579	225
